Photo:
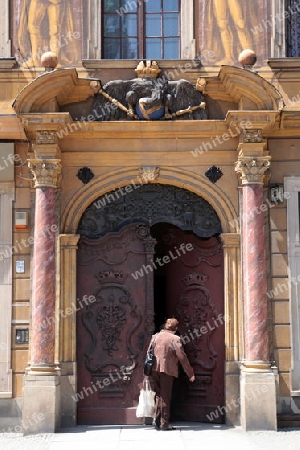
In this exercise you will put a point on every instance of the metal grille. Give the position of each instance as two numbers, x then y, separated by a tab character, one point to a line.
22	336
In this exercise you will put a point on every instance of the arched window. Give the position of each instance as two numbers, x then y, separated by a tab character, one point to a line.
133	29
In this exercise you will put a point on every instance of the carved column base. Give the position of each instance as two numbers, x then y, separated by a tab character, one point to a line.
43	370
41	404
258	401
256	366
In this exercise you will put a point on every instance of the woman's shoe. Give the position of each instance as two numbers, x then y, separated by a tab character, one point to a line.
156	424
169	428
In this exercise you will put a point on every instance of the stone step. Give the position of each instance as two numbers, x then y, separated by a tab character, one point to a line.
288	421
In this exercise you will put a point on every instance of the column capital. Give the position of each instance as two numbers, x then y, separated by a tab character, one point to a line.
253	168
46	172
69	240
230	239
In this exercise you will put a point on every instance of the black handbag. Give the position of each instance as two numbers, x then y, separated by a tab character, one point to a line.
150	359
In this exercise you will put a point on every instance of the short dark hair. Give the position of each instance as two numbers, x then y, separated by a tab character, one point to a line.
171	324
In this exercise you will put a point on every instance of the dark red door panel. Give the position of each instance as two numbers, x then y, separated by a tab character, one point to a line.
194	294
113	330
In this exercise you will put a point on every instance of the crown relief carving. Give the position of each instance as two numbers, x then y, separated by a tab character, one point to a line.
111	276
149	69
195	278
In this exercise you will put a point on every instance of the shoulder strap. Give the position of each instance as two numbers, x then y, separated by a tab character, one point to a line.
151	345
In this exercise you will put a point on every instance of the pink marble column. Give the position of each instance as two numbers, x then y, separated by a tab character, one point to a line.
42	342
43	279
254	275
256	342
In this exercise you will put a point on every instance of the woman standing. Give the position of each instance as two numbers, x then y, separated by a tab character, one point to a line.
168	351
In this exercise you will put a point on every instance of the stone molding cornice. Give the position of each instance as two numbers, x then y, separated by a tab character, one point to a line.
7	63
46	172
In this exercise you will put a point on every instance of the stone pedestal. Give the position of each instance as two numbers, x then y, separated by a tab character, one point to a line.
258	401
41	404
258	387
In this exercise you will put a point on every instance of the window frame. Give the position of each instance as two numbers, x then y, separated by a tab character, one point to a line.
292	189
92	47
141	14
291	29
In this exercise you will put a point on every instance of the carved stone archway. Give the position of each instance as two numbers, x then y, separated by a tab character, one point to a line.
219	202
120	178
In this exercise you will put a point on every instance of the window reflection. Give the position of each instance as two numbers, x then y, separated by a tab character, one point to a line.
171	5
111	25
170	25
171	48
129	25
112	49
153	25
153	48
153	6
111	5
129	48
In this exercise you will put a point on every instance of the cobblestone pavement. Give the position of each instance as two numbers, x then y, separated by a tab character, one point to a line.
187	436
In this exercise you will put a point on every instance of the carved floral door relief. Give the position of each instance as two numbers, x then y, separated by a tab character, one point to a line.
114	328
194	294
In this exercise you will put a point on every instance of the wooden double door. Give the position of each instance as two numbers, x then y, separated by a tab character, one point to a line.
128	283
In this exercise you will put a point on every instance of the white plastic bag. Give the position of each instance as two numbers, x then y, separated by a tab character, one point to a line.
146	406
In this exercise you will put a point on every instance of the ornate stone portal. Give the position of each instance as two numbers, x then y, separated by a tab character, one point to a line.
235	83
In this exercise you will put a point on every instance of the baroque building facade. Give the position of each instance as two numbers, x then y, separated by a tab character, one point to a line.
149	171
